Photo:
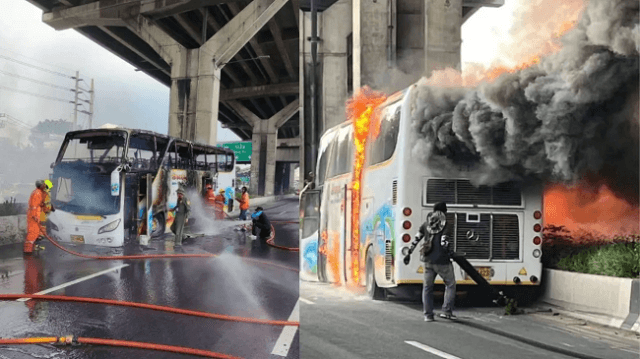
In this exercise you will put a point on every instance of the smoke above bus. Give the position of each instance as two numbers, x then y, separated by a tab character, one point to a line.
571	117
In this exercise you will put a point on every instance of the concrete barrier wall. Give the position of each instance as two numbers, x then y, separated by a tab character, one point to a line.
605	300
13	229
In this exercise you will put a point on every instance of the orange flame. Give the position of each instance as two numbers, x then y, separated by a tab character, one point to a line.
332	251
595	211
361	110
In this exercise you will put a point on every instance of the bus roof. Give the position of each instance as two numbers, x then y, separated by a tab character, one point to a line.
145	132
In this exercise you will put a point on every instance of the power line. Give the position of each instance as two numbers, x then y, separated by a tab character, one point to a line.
36	95
36	67
36	81
34	59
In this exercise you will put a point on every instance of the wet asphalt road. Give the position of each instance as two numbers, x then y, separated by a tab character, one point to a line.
224	285
350	326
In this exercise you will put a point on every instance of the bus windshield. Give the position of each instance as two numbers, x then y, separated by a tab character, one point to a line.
94	147
81	188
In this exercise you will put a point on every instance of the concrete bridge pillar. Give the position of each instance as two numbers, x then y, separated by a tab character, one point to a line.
264	144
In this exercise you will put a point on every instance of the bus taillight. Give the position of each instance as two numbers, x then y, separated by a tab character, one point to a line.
406	238
406	211
406	225
537	240
537	214
537	227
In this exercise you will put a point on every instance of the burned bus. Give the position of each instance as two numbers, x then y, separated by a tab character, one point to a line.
498	228
117	185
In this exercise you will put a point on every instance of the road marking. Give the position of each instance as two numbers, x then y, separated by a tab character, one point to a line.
281	213
569	345
306	301
431	350
64	285
288	333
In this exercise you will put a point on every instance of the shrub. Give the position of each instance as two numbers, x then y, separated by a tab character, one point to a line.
9	208
616	260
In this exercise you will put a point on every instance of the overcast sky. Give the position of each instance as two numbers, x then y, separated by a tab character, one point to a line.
124	96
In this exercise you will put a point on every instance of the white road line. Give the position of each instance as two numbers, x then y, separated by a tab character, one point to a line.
431	350
288	333
306	301
64	285
281	213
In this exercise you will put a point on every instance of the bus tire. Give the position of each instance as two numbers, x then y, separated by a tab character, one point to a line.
373	291
160	227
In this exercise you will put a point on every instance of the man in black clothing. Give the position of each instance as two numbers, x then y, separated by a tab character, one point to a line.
435	256
261	227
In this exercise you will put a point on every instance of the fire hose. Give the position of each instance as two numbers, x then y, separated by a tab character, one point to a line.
64	298
72	340
157	256
270	241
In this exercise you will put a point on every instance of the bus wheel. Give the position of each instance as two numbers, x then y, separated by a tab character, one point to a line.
373	291
158	225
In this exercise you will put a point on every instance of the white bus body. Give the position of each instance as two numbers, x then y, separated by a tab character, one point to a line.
493	226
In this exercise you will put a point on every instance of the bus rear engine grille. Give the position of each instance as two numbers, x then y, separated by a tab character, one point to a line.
489	236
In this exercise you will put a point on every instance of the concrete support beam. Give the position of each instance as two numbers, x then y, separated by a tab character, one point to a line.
216	27
158	9
195	88
244	112
233	7
265	142
289	142
285	114
442	33
99	13
237	32
291	88
188	26
159	41
284	54
134	49
489	3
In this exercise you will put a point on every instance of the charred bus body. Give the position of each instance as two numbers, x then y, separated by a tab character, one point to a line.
116	185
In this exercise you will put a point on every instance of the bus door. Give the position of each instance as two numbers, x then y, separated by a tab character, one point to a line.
309	246
145	210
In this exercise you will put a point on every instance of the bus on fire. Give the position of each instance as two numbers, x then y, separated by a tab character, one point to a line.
113	185
497	228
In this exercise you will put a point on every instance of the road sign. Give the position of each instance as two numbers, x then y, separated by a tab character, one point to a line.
241	149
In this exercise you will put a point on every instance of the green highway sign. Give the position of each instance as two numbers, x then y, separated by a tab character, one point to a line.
241	149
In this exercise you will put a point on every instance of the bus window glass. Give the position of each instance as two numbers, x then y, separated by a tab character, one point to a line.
341	158
184	156
230	162
222	162
141	153
95	148
389	133
322	164
212	161
200	158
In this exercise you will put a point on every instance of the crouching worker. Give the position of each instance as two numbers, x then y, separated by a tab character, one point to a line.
435	255
182	211
261	227
36	208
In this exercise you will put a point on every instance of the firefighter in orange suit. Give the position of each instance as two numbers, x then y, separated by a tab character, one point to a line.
48	207
210	196
219	205
36	207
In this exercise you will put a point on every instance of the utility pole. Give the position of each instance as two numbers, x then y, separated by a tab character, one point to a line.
75	101
91	106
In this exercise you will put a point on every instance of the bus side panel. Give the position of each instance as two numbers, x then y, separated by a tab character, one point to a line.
177	179
335	235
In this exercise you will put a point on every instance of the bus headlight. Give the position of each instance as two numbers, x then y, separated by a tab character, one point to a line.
405	251
53	226
109	227
536	253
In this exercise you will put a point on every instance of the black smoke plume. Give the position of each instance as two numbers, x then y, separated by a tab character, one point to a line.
571	118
